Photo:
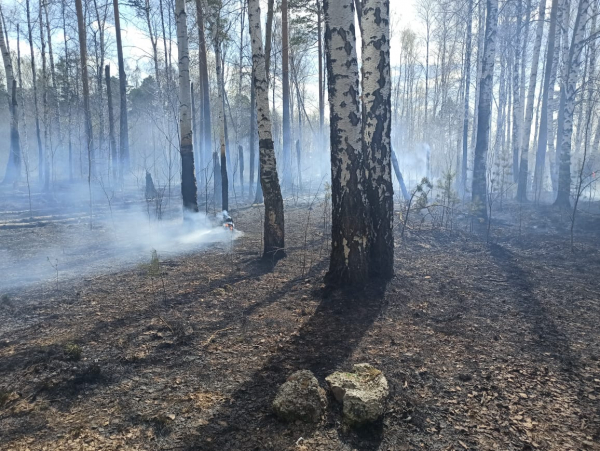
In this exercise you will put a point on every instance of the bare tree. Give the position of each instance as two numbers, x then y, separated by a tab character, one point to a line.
123	121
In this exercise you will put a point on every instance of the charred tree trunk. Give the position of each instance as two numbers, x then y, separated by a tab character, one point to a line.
222	130
123	121
349	263
186	146
399	177
274	235
241	167
479	187
376	134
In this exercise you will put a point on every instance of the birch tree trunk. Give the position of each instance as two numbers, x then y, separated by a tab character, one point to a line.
252	137
546	118
479	187
206	126
465	132
524	164
568	92
123	121
349	263
186	145
274	235
376	134
285	72
517	106
13	167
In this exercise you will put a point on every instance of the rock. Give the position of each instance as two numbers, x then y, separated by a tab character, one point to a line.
362	393
300	398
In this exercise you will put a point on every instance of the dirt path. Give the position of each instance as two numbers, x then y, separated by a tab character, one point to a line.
485	346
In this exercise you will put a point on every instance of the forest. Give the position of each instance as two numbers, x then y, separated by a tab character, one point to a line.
299	225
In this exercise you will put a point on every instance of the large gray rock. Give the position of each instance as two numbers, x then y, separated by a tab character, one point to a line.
300	398
362	393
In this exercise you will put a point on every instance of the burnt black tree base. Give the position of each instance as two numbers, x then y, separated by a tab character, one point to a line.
274	243
188	181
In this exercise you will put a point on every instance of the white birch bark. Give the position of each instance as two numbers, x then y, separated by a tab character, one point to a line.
568	93
524	165
349	254
376	133
269	180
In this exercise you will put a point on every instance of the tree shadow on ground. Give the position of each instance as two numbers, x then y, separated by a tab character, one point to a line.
547	337
323	344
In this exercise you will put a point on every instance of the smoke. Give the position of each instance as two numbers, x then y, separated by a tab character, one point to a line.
117	241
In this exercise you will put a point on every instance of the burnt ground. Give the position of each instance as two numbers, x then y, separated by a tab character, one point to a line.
486	345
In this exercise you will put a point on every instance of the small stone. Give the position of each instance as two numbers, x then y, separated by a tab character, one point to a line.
300	398
362	393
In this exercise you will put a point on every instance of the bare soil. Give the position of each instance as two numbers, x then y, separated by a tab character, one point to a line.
487	344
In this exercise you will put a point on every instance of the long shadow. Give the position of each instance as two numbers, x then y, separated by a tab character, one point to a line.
323	344
547	337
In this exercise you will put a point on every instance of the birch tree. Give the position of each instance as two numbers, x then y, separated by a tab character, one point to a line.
524	163
274	232
349	262
376	133
186	146
545	117
568	91
479	187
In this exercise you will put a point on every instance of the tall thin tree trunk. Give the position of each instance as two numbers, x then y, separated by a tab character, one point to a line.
320	66
274	235
35	96
111	125
376	134
568	91
465	133
546	118
524	164
46	107
13	167
479	188
123	121
206	126
186	145
86	98
517	106
285	72
349	262
252	137
222	119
